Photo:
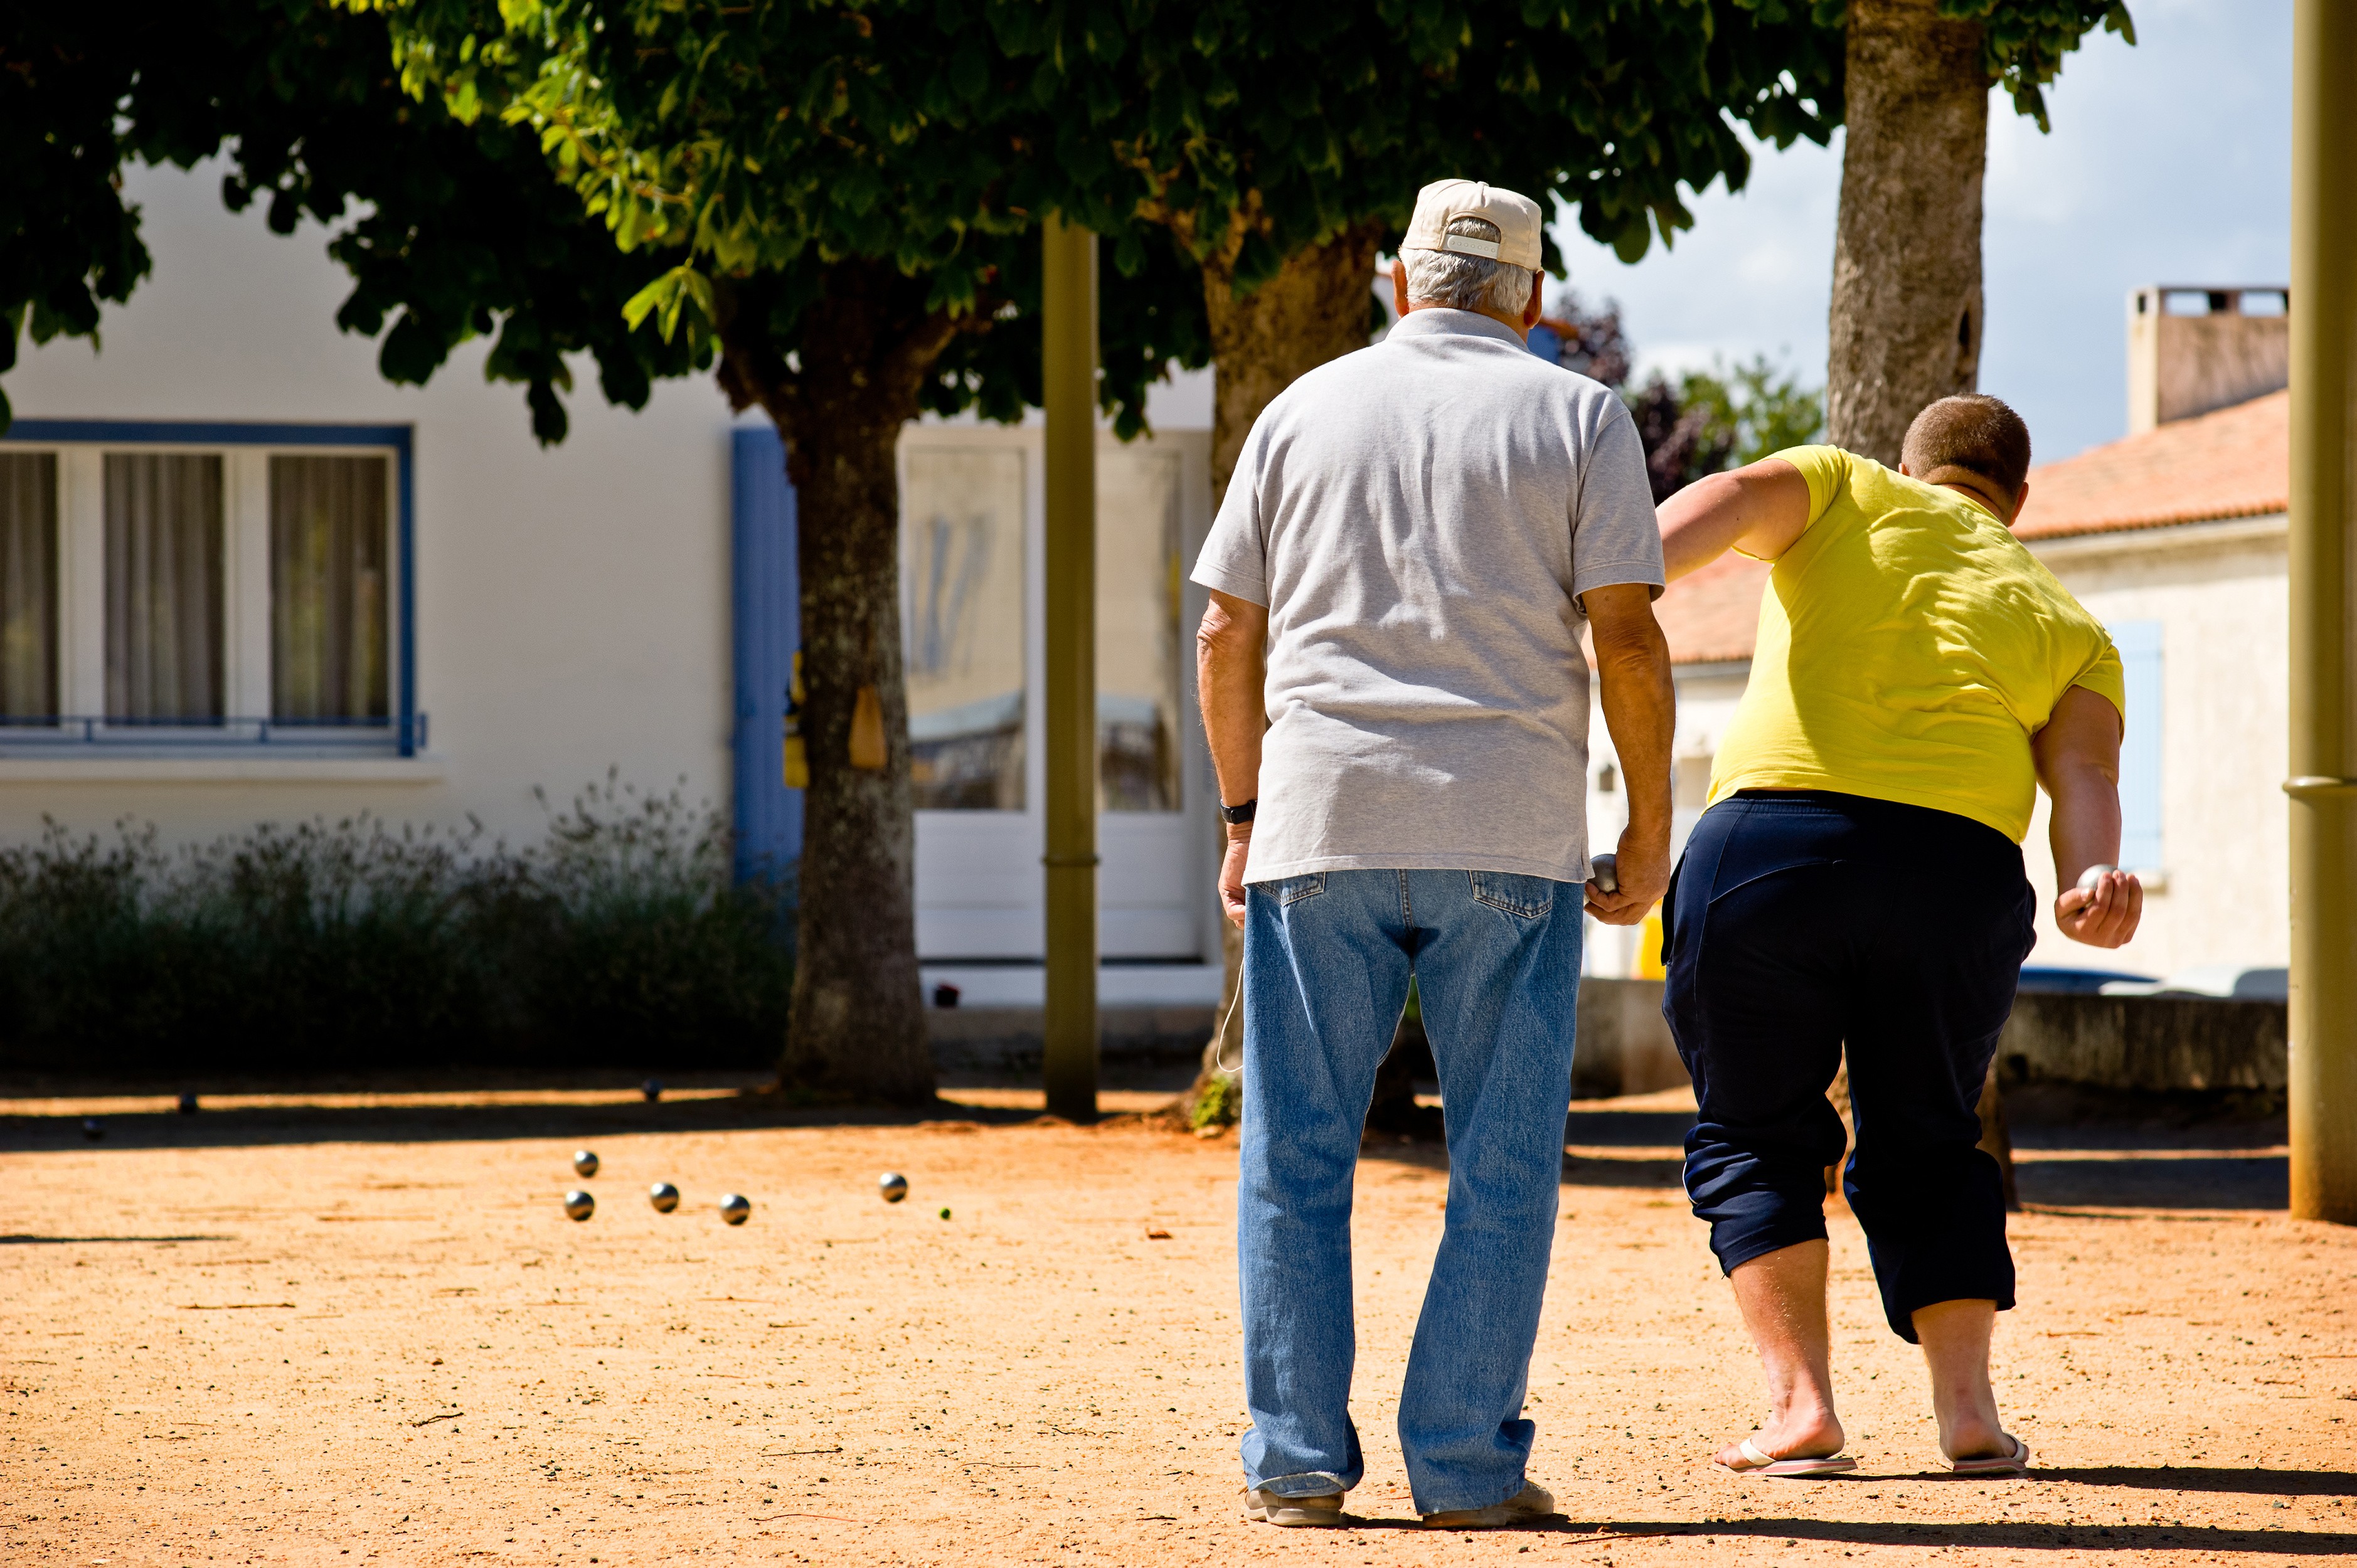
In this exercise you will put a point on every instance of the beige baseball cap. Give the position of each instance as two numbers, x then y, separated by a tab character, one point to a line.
1516	216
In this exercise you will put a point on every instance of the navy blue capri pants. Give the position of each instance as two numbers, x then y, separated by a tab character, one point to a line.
1799	920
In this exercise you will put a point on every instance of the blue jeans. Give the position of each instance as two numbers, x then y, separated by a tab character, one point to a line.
1327	958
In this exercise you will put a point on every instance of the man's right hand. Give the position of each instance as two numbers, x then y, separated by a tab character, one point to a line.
1642	868
1232	877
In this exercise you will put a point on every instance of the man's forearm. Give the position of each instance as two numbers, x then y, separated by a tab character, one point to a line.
1639	700
1231	678
2084	826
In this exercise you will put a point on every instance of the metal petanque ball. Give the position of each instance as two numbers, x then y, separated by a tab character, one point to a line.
663	1195
893	1185
92	1130
188	1105
734	1208
1604	870
2093	875
652	1090
579	1205
585	1162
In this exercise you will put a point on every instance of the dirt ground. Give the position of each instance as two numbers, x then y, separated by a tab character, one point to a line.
355	1329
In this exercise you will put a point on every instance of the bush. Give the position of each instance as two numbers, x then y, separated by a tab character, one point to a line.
620	940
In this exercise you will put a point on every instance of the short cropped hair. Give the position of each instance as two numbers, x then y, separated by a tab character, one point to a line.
1467	283
1975	433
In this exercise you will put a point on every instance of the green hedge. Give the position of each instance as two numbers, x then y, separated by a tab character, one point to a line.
620	939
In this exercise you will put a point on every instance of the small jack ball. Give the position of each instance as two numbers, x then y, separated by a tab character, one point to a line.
585	1162
579	1205
2093	875
92	1130
663	1195
735	1209
893	1185
652	1090
188	1105
945	1214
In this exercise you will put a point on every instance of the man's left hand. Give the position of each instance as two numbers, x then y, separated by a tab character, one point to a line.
1642	868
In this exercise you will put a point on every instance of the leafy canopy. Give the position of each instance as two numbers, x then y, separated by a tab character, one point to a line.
450	232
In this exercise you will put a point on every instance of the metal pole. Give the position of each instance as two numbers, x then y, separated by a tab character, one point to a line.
1070	374
2323	1083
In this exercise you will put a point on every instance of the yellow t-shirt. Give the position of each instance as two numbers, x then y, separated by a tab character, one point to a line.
1909	648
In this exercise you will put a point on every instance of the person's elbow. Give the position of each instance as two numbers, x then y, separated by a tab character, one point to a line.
1628	639
1232	631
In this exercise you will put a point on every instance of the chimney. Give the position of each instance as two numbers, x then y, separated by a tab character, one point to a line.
2193	348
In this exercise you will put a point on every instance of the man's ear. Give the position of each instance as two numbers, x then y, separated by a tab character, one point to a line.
2020	499
1399	285
1536	304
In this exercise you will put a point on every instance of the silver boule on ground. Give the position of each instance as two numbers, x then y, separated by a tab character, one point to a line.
579	1205
893	1185
584	1163
663	1195
734	1208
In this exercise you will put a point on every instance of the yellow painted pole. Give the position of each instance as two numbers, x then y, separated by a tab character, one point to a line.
2323	786
1069	331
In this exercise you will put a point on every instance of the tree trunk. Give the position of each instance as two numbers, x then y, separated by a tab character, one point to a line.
858	1023
1906	320
1315	309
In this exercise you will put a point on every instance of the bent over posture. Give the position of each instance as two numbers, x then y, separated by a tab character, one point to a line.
1400	573
1858	878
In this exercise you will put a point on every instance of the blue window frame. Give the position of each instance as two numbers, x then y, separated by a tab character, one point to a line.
2139	645
407	724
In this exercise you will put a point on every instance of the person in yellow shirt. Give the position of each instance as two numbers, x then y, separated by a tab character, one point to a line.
1858	878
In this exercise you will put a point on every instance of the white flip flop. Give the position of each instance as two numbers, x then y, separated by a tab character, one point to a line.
1761	1463
1995	1464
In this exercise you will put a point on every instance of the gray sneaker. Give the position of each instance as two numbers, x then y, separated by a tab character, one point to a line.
1267	1508
1529	1506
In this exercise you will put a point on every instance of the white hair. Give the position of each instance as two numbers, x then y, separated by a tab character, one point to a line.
1467	283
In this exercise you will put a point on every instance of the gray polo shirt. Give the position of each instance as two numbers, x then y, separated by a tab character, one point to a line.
1419	517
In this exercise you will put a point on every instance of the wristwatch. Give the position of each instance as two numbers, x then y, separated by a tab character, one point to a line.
1236	816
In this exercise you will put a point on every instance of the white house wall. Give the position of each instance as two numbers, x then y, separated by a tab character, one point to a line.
2221	594
572	603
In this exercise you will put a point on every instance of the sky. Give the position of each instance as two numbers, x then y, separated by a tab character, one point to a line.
2170	162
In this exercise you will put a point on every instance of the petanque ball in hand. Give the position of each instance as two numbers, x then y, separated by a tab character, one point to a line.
579	1205
735	1209
92	1130
1604	870
2093	875
585	1162
188	1105
652	1090
663	1195
893	1185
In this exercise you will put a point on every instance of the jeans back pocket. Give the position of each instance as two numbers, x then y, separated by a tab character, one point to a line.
1525	897
1291	890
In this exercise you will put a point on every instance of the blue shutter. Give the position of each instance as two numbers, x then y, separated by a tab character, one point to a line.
2138	643
766	605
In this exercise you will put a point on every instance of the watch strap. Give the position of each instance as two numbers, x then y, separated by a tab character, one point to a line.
1235	816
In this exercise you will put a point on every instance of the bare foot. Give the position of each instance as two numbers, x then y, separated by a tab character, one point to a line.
1971	1434
1794	1435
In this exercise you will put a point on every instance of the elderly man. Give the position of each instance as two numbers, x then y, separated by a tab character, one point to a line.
1401	571
1858	879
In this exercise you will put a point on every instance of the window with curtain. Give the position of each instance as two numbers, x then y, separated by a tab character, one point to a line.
1138	631
330	538
2139	645
28	588
962	616
164	580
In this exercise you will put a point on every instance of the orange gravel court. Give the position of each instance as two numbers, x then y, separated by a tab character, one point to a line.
357	1327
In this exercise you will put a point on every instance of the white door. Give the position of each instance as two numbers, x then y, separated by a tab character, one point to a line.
972	525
